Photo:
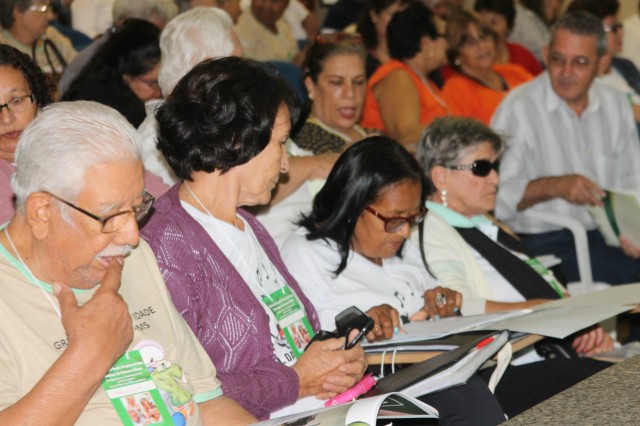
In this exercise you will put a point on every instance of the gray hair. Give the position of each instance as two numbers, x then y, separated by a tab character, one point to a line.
165	10
199	34
63	141
584	24
448	139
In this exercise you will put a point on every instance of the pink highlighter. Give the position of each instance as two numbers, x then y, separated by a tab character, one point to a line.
358	389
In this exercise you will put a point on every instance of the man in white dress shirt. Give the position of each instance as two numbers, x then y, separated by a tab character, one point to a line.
569	138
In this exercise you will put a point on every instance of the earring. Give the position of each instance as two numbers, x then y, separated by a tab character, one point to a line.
457	62
443	196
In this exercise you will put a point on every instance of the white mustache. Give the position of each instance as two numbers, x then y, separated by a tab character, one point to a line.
116	251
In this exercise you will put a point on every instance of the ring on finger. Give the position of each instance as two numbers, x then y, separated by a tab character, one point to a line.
441	299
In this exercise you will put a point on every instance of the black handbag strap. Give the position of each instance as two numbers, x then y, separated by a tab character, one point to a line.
521	276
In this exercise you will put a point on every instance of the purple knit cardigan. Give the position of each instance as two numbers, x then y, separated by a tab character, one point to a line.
220	308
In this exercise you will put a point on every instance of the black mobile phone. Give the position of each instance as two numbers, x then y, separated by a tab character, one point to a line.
353	319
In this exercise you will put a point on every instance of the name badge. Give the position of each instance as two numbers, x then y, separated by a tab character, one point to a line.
291	319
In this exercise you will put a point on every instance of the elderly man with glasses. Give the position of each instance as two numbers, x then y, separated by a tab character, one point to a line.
88	325
570	138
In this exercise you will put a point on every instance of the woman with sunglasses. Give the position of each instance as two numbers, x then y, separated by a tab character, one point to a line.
335	80
467	250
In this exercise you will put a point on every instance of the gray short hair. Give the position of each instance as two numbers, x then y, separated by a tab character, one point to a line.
166	10
448	139
193	36
63	141
584	24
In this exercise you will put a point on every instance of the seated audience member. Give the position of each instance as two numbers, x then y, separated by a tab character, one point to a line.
25	26
74	274
500	15
232	7
353	249
618	73
479	83
223	130
630	45
531	26
23	89
336	83
158	12
123	74
400	100
265	35
372	25
569	139
193	36
463	247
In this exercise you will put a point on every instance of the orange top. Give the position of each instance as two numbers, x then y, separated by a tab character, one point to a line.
429	106
472	99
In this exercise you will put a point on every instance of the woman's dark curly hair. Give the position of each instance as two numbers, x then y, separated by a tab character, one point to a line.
39	84
356	181
221	115
406	29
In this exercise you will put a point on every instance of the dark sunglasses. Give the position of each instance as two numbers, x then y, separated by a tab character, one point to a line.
480	168
394	224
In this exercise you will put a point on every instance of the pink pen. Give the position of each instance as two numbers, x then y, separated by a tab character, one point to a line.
358	389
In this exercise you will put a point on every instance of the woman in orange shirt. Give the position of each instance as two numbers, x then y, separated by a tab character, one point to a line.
400	100
479	84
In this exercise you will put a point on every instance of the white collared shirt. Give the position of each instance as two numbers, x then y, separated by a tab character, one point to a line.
546	138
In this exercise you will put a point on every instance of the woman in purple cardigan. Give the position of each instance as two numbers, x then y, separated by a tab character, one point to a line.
223	131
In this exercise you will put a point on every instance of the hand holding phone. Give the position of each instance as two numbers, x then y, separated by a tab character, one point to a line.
353	319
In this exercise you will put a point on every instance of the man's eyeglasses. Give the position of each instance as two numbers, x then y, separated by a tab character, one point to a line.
613	28
339	37
480	168
394	224
580	62
118	220
42	8
19	104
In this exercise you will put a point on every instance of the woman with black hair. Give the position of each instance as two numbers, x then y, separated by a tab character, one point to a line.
352	250
352	243
400	99
123	73
222	131
372	25
23	90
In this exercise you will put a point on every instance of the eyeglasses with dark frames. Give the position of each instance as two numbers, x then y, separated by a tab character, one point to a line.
117	220
394	224
480	168
18	104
